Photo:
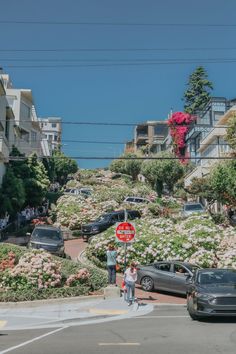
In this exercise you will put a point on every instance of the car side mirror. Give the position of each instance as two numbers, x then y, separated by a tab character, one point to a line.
189	278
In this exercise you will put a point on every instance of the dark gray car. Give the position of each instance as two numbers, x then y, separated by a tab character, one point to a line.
49	238
165	275
212	292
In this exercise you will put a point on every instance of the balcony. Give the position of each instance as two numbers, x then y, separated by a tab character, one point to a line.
197	129
4	148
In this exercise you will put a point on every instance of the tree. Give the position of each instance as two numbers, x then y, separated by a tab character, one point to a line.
33	175
118	166
12	193
223	182
198	93
202	188
131	166
60	166
164	170
231	132
36	185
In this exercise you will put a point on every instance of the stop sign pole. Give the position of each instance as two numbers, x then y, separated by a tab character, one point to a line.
125	232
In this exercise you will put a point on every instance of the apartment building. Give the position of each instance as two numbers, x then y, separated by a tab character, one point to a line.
6	130
204	123
212	145
151	135
51	132
27	131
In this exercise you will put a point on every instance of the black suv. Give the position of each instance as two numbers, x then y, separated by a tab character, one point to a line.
49	238
106	220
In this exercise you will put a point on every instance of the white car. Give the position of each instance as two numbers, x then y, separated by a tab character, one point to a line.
135	200
192	208
84	192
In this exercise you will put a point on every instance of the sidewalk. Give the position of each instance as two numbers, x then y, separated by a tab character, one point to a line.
67	312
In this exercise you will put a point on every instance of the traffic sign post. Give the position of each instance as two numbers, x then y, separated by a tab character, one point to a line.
125	233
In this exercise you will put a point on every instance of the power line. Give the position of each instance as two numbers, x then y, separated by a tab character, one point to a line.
151	123
129	24
156	60
114	49
19	158
133	63
107	142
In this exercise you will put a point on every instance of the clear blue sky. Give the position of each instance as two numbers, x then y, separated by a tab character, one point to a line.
124	93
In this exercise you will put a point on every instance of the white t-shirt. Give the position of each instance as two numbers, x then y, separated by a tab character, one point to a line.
131	276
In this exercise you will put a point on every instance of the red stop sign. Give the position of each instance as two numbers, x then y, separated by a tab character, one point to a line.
125	232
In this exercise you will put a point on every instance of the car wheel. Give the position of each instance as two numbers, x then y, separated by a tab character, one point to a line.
147	283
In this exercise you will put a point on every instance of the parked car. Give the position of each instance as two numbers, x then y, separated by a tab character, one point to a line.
192	208
134	200
212	292
49	238
85	192
169	276
106	220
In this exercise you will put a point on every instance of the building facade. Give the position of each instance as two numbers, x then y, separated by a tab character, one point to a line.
27	131
6	130
212	146
51	132
203	125
150	136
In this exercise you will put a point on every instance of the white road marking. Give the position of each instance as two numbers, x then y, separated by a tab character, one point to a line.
32	340
160	316
117	344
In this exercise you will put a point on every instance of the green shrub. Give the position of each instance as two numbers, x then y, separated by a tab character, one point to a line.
20	289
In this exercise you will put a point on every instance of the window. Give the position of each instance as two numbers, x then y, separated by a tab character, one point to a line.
25	111
163	266
217	115
33	136
54	125
7	128
55	137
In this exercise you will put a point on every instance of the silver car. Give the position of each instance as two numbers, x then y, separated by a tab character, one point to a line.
212	292
48	238
192	208
169	276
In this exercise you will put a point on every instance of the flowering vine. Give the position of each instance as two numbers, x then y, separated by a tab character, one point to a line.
179	124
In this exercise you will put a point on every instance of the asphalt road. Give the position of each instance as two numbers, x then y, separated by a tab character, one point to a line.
167	330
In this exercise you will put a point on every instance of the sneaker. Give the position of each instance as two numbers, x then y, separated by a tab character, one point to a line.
130	303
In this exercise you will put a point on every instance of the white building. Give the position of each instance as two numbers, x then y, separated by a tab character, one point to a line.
27	131
6	130
51	130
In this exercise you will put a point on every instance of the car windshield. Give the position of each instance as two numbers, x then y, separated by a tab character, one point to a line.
193	207
46	233
102	218
218	276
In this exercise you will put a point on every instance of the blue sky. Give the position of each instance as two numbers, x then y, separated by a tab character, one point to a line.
124	93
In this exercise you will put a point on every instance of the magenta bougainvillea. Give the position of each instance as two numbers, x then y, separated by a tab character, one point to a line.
179	124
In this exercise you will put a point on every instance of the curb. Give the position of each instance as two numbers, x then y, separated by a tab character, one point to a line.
168	304
36	303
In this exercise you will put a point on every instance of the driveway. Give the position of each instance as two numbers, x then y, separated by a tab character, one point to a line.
75	247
